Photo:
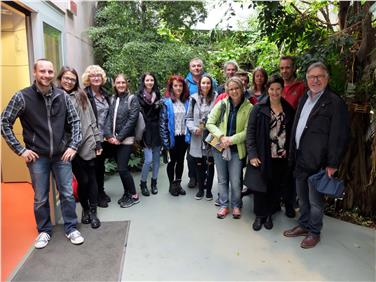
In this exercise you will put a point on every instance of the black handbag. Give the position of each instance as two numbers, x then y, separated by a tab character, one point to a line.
253	179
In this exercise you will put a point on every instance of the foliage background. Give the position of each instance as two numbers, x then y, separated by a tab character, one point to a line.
157	36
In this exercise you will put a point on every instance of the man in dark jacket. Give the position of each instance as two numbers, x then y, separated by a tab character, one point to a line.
319	139
45	113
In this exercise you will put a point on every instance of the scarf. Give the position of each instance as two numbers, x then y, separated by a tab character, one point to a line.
149	98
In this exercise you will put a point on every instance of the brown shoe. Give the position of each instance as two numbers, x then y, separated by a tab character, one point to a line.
295	232
236	213
310	241
222	213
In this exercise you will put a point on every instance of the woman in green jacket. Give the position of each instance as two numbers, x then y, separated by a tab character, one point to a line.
227	123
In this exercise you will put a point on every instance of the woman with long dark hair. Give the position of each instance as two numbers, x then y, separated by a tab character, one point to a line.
119	130
83	165
200	105
149	100
173	130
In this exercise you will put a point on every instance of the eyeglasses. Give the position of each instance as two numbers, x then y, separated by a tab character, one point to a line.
73	80
315	77
98	75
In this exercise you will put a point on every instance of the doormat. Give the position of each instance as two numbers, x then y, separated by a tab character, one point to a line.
99	258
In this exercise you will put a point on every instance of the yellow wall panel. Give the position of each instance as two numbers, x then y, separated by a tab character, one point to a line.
14	68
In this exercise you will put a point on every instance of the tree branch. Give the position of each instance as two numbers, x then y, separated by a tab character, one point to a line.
326	17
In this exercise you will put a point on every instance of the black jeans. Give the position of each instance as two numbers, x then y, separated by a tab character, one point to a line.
123	153
192	173
108	151
84	170
264	203
176	166
204	168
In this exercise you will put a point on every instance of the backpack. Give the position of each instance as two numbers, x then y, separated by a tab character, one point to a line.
140	125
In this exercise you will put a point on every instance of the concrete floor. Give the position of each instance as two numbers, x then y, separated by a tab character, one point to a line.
180	238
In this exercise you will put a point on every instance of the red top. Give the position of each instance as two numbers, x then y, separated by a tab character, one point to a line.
293	92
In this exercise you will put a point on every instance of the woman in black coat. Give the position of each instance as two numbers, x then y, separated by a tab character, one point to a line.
268	135
119	130
149	99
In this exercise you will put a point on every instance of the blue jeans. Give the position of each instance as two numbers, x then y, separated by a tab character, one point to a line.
151	155
311	204
40	176
228	172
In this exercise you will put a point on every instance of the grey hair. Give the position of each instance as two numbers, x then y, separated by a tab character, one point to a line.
320	65
230	62
196	59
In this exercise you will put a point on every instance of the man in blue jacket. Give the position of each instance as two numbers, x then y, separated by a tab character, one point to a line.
320	135
45	113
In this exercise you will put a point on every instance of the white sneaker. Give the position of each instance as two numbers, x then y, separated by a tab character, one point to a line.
75	237
42	240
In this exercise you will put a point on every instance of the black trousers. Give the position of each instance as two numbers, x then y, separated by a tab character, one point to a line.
176	166
108	151
84	170
204	168
123	153
192	173
264	203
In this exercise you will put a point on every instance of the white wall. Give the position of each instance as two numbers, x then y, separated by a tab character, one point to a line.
78	48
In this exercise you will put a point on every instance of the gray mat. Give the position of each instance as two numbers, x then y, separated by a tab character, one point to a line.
99	258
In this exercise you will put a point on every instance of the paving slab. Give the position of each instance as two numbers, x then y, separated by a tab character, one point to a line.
180	238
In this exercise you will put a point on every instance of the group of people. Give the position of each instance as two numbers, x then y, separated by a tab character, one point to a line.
280	130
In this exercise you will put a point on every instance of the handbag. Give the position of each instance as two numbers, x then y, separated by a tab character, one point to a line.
140	125
330	186
253	179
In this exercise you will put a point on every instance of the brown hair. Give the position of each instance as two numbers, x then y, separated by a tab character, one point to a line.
81	97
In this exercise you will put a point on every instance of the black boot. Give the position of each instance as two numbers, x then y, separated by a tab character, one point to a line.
153	187
144	189
180	189
268	224
85	219
173	189
95	223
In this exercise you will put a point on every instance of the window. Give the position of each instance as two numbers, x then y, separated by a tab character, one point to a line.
52	45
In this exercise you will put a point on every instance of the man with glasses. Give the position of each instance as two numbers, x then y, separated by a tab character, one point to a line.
320	135
45	113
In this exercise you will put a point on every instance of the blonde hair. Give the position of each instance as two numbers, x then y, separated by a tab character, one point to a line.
93	69
235	80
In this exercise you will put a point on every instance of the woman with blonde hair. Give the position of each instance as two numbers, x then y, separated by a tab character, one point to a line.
93	79
227	122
